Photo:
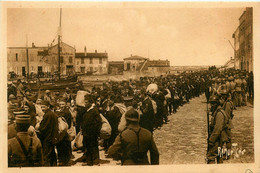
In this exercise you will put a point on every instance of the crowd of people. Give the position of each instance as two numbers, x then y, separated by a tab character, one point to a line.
133	109
225	93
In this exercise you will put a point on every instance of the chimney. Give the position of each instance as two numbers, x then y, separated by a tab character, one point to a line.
95	51
131	55
85	51
33	45
48	45
231	58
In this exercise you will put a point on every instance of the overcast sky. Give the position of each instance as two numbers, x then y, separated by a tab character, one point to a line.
185	36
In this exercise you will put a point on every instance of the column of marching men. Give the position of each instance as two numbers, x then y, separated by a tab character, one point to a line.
46	126
225	92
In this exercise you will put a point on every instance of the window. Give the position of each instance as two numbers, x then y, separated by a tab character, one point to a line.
100	60
91	60
16	56
82	60
128	66
70	59
82	69
61	59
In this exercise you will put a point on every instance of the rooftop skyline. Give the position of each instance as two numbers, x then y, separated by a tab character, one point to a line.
184	36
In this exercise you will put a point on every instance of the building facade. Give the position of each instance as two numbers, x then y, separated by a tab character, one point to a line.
67	59
93	63
157	66
236	49
115	67
41	59
134	63
243	39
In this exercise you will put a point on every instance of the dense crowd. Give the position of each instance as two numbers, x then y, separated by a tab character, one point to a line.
120	117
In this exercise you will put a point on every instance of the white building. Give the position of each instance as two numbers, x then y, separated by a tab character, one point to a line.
96	63
41	59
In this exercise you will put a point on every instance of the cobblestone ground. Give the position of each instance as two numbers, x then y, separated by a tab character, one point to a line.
184	139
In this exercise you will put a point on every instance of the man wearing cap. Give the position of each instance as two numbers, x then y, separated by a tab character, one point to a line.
131	145
67	95
48	133
113	115
12	89
24	150
47	96
20	88
238	91
91	126
228	107
218	134
64	146
12	105
233	89
128	102
244	91
147	118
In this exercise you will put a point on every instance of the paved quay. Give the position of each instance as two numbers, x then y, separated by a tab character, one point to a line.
184	139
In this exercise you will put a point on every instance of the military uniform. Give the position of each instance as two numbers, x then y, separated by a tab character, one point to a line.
244	92
238	97
218	136
16	156
232	90
228	108
131	145
23	149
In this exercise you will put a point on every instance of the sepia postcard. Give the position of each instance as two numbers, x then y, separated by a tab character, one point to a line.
153	86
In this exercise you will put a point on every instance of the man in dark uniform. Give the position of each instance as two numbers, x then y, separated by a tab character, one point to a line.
218	134
113	115
91	126
132	145
48	133
147	118
159	99
24	150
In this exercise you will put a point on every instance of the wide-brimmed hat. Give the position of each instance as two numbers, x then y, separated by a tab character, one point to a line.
132	115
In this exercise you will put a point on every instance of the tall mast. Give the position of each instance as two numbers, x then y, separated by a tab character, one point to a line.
27	57
59	35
